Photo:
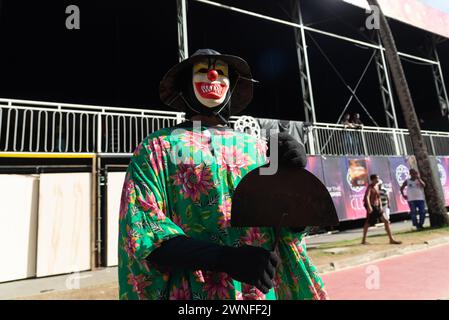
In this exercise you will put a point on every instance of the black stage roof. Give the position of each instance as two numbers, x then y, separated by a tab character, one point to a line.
123	48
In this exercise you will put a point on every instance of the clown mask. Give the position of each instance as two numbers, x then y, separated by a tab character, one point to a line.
210	82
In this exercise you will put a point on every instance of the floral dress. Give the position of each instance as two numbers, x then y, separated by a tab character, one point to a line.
180	181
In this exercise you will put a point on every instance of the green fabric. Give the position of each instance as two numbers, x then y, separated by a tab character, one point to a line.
162	199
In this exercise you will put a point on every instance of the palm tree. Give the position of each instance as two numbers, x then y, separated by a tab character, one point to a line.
433	190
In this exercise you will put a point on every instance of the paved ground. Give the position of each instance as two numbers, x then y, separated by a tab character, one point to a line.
420	275
64	286
315	240
102	284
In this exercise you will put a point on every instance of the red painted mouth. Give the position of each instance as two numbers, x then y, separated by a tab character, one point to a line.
211	90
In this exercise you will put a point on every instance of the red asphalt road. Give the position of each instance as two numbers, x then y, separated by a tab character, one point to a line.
422	275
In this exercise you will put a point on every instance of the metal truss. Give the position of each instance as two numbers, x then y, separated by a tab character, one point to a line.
440	85
385	89
304	66
183	48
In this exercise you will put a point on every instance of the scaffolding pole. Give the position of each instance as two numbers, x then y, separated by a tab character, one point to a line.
440	85
304	67
183	48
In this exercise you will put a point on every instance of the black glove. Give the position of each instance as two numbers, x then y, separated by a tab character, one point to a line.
186	253
252	265
291	152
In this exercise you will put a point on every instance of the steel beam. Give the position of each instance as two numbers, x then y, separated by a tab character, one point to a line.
183	47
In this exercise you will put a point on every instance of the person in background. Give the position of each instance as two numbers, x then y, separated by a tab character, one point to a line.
346	121
384	201
356	121
348	145
372	203
357	136
415	197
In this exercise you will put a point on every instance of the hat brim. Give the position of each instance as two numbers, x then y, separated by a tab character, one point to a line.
170	86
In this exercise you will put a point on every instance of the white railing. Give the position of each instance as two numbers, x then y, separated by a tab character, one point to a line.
33	126
334	139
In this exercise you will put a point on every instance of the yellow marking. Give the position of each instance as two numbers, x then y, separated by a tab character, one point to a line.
45	155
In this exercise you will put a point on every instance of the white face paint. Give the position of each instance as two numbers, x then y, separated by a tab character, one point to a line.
210	82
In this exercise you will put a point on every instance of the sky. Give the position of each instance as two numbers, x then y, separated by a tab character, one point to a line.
442	5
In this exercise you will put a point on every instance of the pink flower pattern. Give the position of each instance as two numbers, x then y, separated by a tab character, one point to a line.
149	203
233	160
225	208
157	149
138	283
200	141
181	293
254	237
261	147
251	293
131	243
127	197
217	285
177	220
193	179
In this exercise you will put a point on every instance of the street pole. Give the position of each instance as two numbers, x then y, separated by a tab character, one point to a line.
433	190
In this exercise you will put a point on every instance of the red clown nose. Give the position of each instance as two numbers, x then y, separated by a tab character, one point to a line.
212	75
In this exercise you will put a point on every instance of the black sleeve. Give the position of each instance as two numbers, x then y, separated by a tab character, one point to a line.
253	265
186	253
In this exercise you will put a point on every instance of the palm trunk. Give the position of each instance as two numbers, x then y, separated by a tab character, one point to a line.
433	191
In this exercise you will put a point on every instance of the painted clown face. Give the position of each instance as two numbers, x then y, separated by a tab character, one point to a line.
210	82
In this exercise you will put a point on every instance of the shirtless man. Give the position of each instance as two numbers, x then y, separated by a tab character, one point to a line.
374	210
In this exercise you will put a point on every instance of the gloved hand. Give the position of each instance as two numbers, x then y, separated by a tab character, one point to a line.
290	151
253	265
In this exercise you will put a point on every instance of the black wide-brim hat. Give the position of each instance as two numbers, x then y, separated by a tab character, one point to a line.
171	85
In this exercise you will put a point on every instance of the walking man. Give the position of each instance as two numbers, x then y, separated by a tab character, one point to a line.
415	197
374	212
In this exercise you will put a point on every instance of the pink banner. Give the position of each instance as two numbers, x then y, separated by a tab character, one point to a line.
346	179
355	179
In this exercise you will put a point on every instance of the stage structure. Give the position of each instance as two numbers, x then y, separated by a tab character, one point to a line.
302	35
93	144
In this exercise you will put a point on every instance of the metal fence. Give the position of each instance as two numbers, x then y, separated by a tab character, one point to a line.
32	126
334	139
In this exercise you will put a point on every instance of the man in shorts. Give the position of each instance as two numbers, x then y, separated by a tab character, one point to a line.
374	210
